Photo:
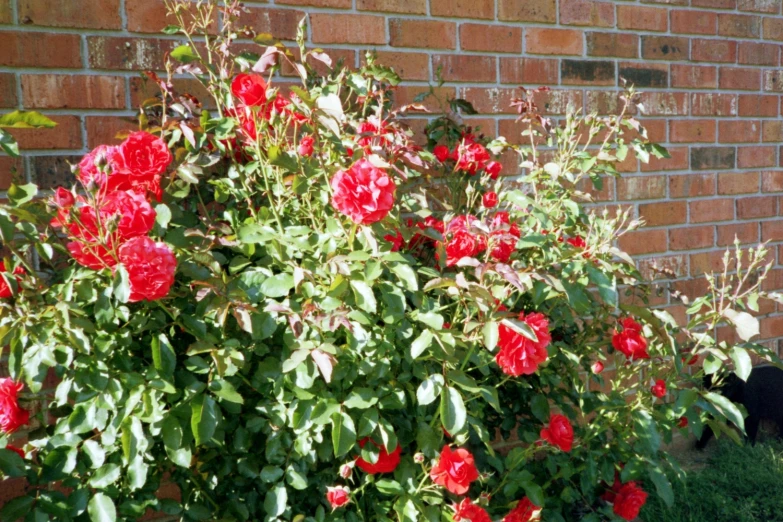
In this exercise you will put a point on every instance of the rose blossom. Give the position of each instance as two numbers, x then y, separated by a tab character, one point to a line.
503	237
455	470
387	462
467	511
5	288
559	432
136	215
306	146
89	172
373	130
518	355
577	242
629	501
461	242
659	388
524	511
12	416
630	340
338	496
471	157
150	267
489	200
396	240
364	192
597	367
493	168
683	422
441	152
250	89
138	163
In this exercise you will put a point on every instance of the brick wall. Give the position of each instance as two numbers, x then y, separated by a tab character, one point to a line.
709	70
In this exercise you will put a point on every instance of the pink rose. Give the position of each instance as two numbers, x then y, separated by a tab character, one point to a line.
150	267
364	192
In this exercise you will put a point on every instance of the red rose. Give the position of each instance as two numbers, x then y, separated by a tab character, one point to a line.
150	267
306	146
577	242
396	240
136	215
489	200
373	133
63	198
629	501
12	416
338	496
138	163
15	450
525	511
503	237
5	288
493	168
91	255
467	511
364	192
461	242
630	340
91	166
518	355
659	388
559	432
250	89
387	462
471	157
683	422
597	367
441	152
455	470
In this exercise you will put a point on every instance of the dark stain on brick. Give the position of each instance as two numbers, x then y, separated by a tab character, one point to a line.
704	158
645	77
583	71
53	171
664	48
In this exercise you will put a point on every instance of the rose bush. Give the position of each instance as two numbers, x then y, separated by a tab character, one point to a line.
291	307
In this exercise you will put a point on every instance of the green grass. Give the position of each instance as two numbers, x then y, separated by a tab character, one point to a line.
740	484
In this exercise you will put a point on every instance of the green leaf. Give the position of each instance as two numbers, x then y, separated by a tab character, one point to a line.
21	194
171	432
184	53
101	509
121	284
162	215
431	319
607	287
407	276
452	410
26	120
204	418
343	433
662	485
8	144
742	362
11	464
361	398
490	333
17	508
365	298
747	326
726	408
105	476
163	356
278	285
406	510
646	431
275	501
95	451
539	405
226	391
282	159
534	493
422	342
389	487
429	389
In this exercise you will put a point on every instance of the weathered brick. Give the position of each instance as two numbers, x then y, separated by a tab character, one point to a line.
670	48
713	50
772	181
758	207
142	88
6	14
715	4
755	157
631	188
131	54
465	68
694	22
490	38
622	45
758	105
706	262
151	16
707	158
472	9
8	96
690	238
528	11
491	100
664	213
553	41
741	131
771	131
694	76
645	74
740	78
66	135
603	102
692	131
587	12
744	232
738	183
739	26
711	210
429	34
756	53
677	160
713	104
11	170
393	6
339	4
691	185
644	242
88	14
773	81
665	103
108	130
40	50
529	71
587	72
759	6
557	101
348	29
50	172
280	23
773	28
60	91
410	66
407	94
642	18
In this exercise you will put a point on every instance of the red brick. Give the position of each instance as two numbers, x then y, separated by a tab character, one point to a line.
10	168
348	28
393	6
557	101
587	12
741	131
622	45
711	210
759	6
88	14
745	232
694	22
772	230
773	81
280	23
108	130
664	213
738	183
739	26
553	41
587	72
339	4
490	38
631	188
642	18
713	104
407	94
692	131
529	71
66	135
691	185
40	50
678	160
429	34
470	9
528	11
605	102
740	78
691	237
694	76
755	53
131	54
410	66
6	15
645	74
758	105
706	262
670	48
643	242
715	4
60	91
491	100
8	96
465	68
755	157
151	16
142	88
771	131
665	103
772	181
773	28
755	208
713	50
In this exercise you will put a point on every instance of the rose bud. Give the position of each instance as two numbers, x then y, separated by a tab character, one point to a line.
346	470
490	199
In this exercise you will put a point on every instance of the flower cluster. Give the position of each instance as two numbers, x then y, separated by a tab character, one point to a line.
12	416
